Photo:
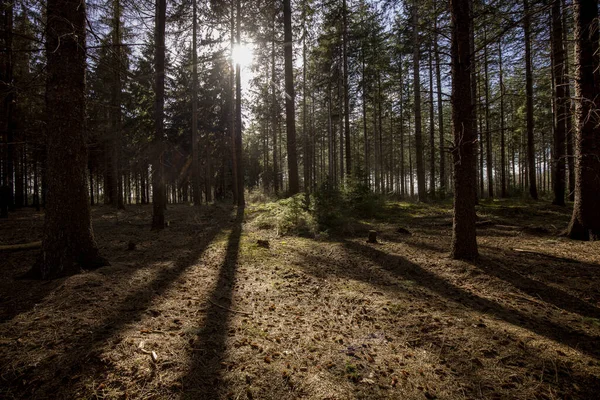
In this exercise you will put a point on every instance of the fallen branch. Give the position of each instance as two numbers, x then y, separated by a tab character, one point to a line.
22	246
228	309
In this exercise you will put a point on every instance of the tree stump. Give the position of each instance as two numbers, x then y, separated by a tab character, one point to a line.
372	237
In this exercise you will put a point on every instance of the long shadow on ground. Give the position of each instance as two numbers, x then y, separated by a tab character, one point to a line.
408	270
203	380
80	359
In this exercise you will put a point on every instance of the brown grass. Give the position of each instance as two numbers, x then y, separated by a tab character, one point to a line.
333	318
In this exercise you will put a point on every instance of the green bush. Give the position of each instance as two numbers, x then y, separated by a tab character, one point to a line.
289	216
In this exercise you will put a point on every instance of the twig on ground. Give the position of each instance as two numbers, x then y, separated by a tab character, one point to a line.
228	309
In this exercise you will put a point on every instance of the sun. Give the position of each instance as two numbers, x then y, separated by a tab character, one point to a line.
242	55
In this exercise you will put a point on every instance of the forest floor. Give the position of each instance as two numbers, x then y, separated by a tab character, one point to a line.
203	310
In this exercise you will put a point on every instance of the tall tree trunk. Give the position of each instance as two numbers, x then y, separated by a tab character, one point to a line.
431	127
68	240
232	107
346	89
196	196
418	129
364	115
290	111
274	110
116	118
401	111
560	134
503	192
585	222
488	134
306	158
7	95
158	184
238	115
438	78
568	117
464	241
529	92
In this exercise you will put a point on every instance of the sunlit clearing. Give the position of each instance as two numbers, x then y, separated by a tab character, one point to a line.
242	55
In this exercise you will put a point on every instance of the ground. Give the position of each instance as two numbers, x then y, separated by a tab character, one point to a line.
214	307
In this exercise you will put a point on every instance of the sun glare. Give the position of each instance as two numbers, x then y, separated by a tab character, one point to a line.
242	55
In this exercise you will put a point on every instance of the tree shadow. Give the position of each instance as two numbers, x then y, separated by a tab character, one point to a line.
55	372
493	264
407	270
203	380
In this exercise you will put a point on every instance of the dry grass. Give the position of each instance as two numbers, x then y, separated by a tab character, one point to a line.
333	318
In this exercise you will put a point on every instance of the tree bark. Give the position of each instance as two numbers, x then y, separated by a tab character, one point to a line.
346	89
585	222
68	240
438	78
503	192
158	184
422	193
196	196
238	114
290	110
464	241
560	134
529	93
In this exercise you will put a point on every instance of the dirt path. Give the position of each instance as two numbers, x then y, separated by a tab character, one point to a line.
205	311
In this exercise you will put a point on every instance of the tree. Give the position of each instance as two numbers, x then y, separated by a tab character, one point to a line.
560	101
68	240
529	93
238	117
290	110
195	167
585	222
158	185
417	82
464	241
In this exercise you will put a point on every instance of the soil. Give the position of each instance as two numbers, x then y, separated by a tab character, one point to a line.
215	308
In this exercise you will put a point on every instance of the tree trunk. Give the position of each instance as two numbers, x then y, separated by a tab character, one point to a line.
68	240
529	92
560	134
438	78
290	111
464	241
196	196
418	129
431	127
238	116
503	192
274	111
585	222
232	112
568	117
346	89
158	184
488	134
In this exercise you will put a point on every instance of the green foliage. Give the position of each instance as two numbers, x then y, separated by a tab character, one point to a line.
288	216
334	207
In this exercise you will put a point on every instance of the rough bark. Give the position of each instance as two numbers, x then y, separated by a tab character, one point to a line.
418	128
438	79
290	109
196	196
585	222
529	94
346	97
238	116
503	192
158	185
560	134
68	240
464	241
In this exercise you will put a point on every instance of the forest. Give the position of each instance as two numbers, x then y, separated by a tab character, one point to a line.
319	199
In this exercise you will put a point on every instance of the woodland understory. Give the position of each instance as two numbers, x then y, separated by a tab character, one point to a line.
224	305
